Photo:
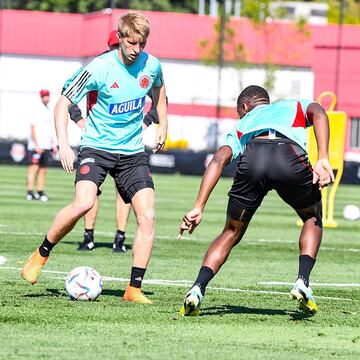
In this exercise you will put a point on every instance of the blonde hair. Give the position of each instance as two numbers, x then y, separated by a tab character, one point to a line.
134	24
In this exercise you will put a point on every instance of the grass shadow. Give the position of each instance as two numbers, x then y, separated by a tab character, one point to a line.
119	292
98	245
233	309
111	292
48	293
62	293
299	316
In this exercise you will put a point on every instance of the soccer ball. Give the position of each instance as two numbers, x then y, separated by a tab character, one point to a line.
351	212
83	283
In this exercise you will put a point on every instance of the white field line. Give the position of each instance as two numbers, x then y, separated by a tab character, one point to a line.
279	283
181	283
187	238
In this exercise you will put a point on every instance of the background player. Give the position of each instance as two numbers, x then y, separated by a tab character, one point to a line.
122	210
112	144
271	140
41	143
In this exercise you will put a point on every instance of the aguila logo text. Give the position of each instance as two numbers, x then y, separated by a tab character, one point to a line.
127	106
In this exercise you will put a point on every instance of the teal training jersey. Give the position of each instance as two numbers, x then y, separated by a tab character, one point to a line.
287	117
114	123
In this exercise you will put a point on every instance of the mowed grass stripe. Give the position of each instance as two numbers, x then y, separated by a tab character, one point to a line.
41	322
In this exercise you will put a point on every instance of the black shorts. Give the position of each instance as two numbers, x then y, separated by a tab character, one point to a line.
130	172
267	164
43	159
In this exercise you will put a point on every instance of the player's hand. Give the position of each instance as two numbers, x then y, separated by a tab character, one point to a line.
190	221
67	158
55	150
39	150
160	139
323	173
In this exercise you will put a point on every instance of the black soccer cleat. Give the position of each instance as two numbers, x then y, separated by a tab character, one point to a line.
88	244
119	244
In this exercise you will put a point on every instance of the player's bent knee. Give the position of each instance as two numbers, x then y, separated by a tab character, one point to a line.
313	212
81	208
146	220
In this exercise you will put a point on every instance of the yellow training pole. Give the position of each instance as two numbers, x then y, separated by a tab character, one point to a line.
337	123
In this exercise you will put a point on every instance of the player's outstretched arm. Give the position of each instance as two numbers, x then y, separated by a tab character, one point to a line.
323	173
159	98
66	154
211	176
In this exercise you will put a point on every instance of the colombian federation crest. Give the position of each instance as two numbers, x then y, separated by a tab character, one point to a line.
144	81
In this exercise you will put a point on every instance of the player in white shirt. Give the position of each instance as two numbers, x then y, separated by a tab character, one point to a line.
41	142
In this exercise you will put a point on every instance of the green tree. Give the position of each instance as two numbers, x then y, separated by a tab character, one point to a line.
351	14
234	49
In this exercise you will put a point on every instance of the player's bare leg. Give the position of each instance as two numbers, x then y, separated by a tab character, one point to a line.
89	225
41	178
221	247
309	243
311	234
90	216
122	216
122	213
31	175
215	257
65	220
143	204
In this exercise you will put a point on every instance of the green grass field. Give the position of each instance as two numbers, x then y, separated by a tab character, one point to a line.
244	316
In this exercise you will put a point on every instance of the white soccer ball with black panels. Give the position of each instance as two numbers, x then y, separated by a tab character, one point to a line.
83	283
351	212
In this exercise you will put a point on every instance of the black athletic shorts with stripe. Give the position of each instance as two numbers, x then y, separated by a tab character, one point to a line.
267	164
130	172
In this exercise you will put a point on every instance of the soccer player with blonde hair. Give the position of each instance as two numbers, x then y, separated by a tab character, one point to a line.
112	144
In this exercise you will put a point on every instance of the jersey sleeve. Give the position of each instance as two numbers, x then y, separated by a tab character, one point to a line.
159	81
233	142
86	79
304	105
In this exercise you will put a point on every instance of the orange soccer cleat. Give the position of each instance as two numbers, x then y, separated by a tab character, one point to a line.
135	295
32	268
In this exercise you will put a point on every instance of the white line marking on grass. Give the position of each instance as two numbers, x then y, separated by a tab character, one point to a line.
335	249
269	241
324	248
2	259
182	283
280	283
187	238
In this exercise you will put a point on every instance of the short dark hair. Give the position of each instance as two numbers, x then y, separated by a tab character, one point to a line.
251	93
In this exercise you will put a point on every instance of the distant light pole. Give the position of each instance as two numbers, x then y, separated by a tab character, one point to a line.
338	48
